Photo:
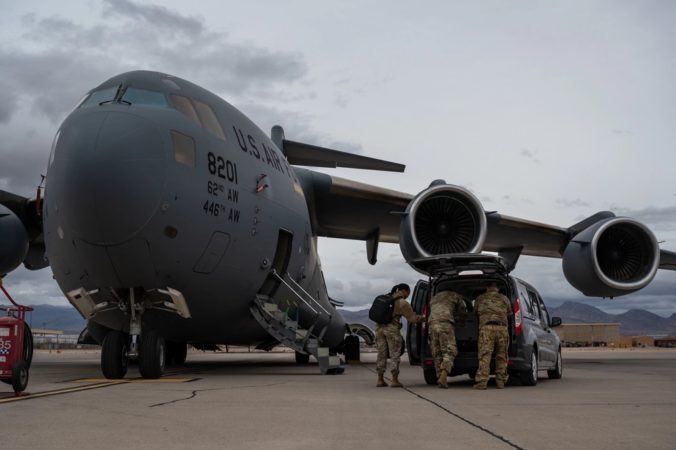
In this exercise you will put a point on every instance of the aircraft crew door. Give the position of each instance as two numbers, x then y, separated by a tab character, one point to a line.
280	263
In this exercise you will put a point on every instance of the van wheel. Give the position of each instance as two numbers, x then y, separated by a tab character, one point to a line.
530	377
557	372
430	374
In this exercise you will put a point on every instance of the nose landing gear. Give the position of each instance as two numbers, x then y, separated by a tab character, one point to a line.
147	345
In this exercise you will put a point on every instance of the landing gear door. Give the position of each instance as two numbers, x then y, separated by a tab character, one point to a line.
414	332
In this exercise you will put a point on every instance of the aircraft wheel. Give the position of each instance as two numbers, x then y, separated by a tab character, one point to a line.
430	374
152	355
20	376
114	360
302	358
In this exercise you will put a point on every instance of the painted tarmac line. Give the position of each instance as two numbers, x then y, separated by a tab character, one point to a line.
18	398
138	380
97	383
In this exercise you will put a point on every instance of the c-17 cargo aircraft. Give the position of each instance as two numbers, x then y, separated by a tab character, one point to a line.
169	218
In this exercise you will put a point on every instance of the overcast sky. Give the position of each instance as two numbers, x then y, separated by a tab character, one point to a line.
549	111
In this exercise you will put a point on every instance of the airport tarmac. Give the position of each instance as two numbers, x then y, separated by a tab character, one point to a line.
606	399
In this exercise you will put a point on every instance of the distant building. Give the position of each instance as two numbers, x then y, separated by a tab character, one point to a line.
637	341
589	334
669	341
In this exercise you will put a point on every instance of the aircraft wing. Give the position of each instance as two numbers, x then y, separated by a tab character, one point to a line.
346	209
667	260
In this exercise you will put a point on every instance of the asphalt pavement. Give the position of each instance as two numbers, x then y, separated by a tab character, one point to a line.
606	399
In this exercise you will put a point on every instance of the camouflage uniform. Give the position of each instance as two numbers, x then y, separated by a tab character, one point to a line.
444	306
494	310
388	337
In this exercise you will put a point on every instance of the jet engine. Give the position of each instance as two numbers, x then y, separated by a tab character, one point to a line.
442	219
613	257
13	241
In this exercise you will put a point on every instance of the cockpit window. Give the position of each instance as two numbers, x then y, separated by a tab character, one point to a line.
209	119
184	105
96	97
137	96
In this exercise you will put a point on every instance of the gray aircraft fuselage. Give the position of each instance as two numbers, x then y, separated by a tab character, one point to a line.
154	182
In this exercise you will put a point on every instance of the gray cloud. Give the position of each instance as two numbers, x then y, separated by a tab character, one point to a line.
658	217
8	103
157	16
567	203
59	60
528	154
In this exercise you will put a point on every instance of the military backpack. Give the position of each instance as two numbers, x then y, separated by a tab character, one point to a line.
382	309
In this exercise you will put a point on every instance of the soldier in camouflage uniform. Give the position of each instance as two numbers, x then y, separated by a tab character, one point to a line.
388	336
444	306
494	310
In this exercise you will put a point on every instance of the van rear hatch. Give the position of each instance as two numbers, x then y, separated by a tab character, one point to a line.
455	264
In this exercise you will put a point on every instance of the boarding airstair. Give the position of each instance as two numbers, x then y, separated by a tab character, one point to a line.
275	319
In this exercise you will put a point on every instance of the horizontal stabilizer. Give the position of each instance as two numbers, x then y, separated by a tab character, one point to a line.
301	154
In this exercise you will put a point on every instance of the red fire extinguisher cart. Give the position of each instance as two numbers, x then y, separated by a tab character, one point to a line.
16	344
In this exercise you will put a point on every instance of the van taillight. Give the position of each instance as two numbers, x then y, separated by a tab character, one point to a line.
518	322
426	313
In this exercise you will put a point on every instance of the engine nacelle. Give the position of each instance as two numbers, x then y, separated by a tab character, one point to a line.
613	257
442	219
13	241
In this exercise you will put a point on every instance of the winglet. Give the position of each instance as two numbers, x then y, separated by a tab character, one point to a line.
301	154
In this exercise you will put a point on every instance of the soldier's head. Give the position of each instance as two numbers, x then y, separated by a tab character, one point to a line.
401	290
492	287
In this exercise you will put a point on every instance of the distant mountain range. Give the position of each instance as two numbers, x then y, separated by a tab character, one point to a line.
64	318
632	322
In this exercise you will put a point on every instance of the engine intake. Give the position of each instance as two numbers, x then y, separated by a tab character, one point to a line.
611	258
442	219
13	241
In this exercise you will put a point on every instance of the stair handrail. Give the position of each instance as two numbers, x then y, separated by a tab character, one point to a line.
283	280
276	275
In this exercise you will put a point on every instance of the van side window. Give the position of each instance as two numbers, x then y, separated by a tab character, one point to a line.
534	302
526	301
543	312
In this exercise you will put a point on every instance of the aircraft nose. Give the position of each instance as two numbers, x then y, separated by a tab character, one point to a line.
108	175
